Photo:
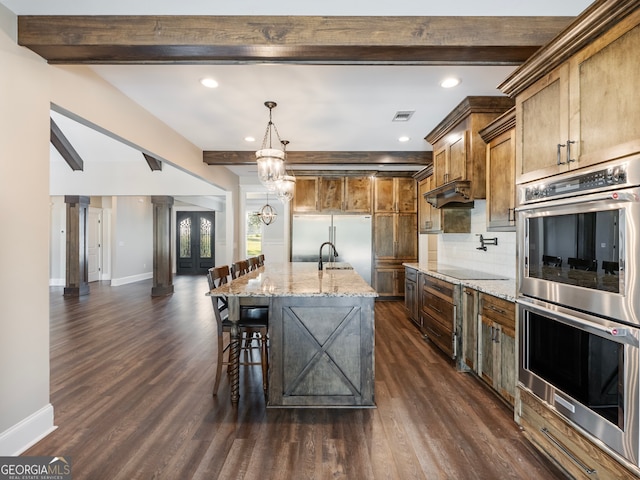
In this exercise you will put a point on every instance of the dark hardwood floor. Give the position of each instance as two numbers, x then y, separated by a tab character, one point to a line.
131	380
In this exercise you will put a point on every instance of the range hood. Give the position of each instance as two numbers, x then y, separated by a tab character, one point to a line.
452	194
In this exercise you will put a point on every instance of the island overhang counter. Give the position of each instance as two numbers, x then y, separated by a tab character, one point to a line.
321	333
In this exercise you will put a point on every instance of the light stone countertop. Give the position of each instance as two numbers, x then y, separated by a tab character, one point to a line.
297	279
505	289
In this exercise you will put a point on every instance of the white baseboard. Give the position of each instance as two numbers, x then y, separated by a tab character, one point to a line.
57	282
115	282
27	432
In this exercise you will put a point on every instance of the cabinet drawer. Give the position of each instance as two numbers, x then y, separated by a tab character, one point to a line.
441	336
441	310
410	274
499	310
439	288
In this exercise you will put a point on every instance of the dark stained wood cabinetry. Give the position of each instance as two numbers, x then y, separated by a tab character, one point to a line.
395	238
497	345
411	293
499	136
459	152
333	194
438	313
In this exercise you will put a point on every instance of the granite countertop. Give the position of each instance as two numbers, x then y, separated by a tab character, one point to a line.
301	279
504	288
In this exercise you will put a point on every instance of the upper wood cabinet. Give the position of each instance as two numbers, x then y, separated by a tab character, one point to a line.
459	152
438	220
576	101
395	195
499	136
328	194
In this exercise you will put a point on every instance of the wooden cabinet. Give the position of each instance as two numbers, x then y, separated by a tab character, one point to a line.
438	220
389	280
459	152
499	136
332	194
575	100
411	293
395	195
395	233
496	345
566	447
305	198
438	313
469	357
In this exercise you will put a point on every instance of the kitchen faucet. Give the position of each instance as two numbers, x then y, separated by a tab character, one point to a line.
335	253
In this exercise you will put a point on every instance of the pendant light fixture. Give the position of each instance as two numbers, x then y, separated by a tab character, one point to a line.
267	213
286	186
270	160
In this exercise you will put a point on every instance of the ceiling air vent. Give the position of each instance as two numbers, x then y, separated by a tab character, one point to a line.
403	116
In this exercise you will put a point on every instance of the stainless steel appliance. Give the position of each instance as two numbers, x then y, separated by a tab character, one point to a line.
351	235
578	237
579	300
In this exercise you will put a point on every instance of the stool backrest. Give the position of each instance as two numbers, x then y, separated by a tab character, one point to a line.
239	268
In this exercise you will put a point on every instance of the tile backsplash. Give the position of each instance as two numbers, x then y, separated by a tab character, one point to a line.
461	249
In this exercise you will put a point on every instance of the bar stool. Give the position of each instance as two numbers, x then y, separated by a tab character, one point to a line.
253	263
252	321
261	260
239	268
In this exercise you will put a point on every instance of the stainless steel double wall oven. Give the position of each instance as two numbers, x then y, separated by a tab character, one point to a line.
579	299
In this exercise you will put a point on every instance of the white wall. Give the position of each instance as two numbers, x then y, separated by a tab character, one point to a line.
131	239
25	411
460	249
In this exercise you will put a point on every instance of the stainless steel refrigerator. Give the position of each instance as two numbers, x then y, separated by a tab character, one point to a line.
351	235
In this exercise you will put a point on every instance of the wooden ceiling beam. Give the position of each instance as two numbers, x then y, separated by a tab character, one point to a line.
312	39
64	147
324	158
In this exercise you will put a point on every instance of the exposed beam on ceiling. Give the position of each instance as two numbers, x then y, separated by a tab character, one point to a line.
324	158
154	163
64	147
313	39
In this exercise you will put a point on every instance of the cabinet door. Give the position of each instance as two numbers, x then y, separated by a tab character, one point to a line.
331	194
306	196
440	167
501	182
506	349
543	124
405	194
406	235
384	195
605	115
384	236
389	280
357	193
486	350
470	327
410	299
457	165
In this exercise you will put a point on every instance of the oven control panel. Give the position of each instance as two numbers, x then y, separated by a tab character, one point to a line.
586	182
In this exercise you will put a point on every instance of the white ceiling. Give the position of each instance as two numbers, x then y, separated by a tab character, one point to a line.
320	108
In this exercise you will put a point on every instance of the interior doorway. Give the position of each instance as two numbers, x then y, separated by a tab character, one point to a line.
195	251
94	244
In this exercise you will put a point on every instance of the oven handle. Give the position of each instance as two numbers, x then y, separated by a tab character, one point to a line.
620	334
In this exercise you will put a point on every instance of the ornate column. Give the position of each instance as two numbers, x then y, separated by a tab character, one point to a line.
162	275
77	249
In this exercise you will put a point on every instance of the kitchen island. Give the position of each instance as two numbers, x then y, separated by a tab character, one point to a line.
321	333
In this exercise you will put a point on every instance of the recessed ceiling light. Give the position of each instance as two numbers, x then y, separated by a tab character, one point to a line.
404	139
209	82
450	82
249	139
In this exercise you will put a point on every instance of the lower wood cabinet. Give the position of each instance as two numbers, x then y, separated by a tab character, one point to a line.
469	357
496	345
438	313
559	441
389	280
411	293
